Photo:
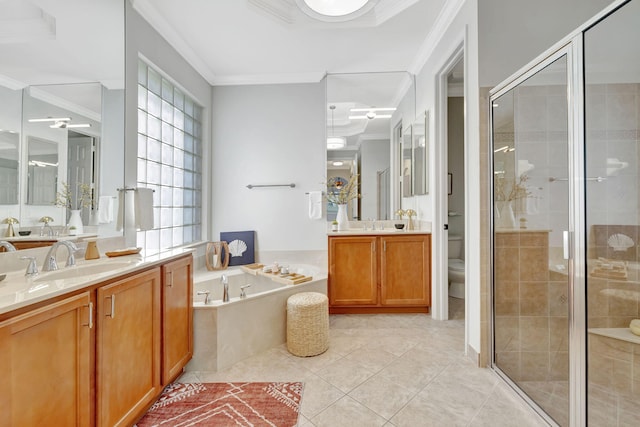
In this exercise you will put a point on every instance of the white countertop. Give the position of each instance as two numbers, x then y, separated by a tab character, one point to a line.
386	231
17	290
39	238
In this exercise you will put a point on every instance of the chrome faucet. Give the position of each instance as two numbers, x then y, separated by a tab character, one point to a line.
32	268
7	246
50	232
206	296
225	283
50	263
243	294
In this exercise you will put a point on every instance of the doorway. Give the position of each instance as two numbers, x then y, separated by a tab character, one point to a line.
456	191
451	198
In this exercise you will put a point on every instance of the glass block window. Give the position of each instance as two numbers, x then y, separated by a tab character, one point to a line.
169	160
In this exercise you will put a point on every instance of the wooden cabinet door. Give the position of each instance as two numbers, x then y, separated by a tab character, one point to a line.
177	317
405	270
353	271
46	360
128	347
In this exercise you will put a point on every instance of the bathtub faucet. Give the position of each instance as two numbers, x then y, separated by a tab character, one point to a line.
243	294
206	296
225	283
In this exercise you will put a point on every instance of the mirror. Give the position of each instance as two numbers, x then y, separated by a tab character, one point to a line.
362	109
420	137
63	59
407	162
9	143
42	175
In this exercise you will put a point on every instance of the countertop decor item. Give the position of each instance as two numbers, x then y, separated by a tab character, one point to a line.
122	252
398	226
92	250
217	256
410	214
24	232
10	221
240	248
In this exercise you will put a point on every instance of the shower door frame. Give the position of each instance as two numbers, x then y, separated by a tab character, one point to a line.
567	50
575	244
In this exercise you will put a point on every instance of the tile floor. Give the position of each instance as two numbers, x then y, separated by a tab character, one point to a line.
389	370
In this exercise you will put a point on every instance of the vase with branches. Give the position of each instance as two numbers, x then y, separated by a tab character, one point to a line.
81	199
507	191
341	193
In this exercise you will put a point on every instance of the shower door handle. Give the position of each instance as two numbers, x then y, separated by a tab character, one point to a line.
566	244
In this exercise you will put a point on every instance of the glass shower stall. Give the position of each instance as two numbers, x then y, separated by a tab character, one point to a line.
565	230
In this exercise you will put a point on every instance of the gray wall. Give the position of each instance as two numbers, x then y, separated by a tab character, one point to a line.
511	33
269	134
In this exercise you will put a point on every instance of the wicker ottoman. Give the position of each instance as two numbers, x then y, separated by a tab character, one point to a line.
307	324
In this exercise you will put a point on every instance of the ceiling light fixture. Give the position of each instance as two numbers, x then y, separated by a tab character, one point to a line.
371	116
65	125
338	163
336	10
335	142
51	119
354	110
60	123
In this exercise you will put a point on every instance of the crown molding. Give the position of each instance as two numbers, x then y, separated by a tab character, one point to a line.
150	14
10	83
385	11
282	10
443	21
267	79
64	104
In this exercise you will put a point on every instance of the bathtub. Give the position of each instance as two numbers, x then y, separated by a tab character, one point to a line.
226	332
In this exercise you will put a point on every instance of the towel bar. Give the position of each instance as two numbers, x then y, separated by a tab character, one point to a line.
250	186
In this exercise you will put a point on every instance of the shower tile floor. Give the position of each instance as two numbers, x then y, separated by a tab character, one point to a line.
389	370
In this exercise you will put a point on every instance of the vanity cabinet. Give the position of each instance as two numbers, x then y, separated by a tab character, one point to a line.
353	271
177	317
46	357
101	355
128	347
380	273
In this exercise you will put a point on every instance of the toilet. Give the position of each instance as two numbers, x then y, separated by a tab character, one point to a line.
456	267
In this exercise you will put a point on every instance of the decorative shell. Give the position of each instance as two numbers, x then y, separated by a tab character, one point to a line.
620	242
237	248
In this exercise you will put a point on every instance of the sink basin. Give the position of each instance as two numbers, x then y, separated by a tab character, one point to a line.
84	271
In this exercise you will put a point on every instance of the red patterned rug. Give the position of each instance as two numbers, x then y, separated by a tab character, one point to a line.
226	404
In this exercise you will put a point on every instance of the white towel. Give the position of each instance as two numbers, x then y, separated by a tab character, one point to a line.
120	217
105	209
144	209
315	204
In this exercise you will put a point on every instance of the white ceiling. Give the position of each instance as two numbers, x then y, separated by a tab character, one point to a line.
273	41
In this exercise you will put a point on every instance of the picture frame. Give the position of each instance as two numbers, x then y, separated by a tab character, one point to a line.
241	246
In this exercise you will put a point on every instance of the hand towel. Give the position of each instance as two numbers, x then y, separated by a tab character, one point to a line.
315	204
144	208
120	218
105	209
